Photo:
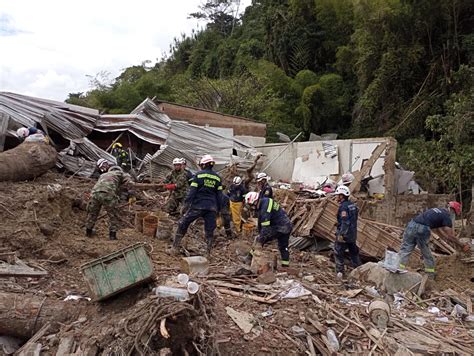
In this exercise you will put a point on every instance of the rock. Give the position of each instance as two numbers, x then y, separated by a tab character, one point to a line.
46	229
266	278
384	280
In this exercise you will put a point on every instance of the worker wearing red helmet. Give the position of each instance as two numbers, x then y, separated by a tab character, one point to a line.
418	231
203	200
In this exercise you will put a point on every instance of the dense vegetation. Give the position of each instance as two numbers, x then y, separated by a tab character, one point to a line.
358	68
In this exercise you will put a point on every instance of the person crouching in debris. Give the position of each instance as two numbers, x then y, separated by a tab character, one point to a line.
121	156
265	190
273	223
237	192
204	201
346	232
176	182
106	193
418	232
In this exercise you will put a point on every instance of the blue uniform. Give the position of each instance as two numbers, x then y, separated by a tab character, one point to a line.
204	200
237	193
346	234
418	232
33	130
274	223
265	192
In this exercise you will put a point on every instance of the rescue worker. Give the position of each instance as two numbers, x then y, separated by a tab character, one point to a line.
189	174
264	188
225	215
346	232
177	183
121	156
273	223
106	193
204	199
236	193
418	231
31	134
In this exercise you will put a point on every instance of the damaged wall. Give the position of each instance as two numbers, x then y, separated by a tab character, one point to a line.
351	153
403	209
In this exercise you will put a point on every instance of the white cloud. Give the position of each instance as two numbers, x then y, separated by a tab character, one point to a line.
48	47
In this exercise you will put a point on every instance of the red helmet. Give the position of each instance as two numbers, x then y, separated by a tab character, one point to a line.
455	206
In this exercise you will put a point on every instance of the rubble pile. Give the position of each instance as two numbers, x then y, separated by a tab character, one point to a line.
303	310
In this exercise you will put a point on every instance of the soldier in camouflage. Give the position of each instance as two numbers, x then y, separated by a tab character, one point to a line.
106	193
177	183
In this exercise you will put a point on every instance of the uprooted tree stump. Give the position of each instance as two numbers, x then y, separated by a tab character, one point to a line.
26	161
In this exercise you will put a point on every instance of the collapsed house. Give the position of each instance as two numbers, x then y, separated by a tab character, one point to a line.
82	135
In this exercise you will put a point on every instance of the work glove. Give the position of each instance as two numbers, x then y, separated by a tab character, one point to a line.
170	186
132	200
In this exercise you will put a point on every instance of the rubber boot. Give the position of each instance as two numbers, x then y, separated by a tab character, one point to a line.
112	235
89	232
209	246
174	250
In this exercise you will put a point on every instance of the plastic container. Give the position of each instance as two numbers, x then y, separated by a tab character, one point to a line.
391	261
333	341
193	287
195	265
149	225
118	271
139	216
183	279
179	294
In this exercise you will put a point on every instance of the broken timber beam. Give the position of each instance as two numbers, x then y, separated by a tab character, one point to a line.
355	185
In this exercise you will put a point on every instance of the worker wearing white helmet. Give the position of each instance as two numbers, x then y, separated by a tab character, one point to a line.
203	200
265	190
346	231
273	223
237	191
177	183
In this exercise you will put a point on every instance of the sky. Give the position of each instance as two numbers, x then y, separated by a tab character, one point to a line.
48	48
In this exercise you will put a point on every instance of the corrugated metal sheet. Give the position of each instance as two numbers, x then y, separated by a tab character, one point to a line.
145	121
70	121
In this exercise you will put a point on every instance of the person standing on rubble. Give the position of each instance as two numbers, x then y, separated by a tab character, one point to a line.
346	231
176	182
273	224
265	190
204	201
189	174
225	214
121	156
106	193
237	191
418	232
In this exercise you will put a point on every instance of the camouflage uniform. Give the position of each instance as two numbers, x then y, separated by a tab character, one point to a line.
106	193
177	196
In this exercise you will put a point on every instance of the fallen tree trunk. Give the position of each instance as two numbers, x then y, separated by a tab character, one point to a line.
22	315
26	161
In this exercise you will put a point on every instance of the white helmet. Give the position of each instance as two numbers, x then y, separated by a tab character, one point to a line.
262	176
251	198
183	160
177	161
347	178
22	132
101	162
237	180
206	159
342	189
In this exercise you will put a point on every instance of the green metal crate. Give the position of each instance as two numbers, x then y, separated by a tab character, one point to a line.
119	271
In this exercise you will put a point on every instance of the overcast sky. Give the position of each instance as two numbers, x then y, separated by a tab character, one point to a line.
48	47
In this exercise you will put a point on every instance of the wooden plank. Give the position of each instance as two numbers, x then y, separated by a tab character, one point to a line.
4	119
249	296
355	185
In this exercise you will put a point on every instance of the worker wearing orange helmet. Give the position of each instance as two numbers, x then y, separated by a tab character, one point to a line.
418	231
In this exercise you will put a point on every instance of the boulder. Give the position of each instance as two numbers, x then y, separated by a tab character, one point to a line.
385	280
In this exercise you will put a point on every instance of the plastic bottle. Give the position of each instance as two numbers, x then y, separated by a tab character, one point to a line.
333	341
179	294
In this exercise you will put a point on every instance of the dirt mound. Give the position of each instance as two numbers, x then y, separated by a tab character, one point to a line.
453	273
